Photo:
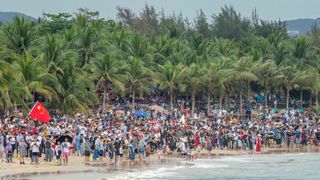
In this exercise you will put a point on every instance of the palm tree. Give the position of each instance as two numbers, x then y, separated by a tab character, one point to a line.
137	77
171	76
268	74
12	89
105	68
75	89
35	78
243	72
19	35
194	77
137	47
292	77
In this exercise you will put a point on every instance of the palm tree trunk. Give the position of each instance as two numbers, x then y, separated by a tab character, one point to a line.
171	99
104	99
15	108
133	99
226	100
208	104
310	100
240	98
193	97
248	89
288	94
266	99
317	100
301	95
220	102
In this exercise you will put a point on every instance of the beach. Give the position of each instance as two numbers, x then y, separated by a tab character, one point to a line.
77	166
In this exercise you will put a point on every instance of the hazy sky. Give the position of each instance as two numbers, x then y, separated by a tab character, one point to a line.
267	9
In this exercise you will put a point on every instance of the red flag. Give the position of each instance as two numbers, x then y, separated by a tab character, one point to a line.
39	113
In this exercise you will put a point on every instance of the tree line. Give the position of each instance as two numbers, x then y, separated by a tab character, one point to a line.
64	59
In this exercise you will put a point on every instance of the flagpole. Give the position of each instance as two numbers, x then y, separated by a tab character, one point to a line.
32	108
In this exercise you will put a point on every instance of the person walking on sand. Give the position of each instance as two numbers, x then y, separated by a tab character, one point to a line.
65	151
23	150
86	151
35	147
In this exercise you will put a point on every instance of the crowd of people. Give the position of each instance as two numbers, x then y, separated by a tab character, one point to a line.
116	133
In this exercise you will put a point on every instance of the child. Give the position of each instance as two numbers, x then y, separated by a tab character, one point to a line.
58	152
22	150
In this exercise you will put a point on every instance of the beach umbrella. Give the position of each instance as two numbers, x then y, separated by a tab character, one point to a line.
140	114
62	138
157	108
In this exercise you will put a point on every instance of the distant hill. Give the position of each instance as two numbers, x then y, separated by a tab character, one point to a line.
8	16
301	26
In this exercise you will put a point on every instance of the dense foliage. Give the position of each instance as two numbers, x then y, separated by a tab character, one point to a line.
64	59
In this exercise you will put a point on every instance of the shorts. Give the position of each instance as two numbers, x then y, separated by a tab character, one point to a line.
87	153
100	153
65	154
35	153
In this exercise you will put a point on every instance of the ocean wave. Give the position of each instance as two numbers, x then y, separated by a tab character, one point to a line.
230	159
209	166
162	172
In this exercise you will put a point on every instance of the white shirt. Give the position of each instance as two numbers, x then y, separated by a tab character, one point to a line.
35	146
65	146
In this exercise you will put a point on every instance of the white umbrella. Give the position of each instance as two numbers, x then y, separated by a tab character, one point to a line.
157	108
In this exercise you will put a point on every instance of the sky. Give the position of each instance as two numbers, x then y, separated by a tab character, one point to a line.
267	9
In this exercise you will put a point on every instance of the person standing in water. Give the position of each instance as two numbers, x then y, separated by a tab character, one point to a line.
131	151
258	147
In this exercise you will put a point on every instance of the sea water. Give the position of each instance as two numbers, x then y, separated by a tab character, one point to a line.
256	166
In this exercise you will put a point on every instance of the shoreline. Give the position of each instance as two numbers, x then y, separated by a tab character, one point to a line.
76	165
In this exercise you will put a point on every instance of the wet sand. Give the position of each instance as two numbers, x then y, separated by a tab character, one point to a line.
76	164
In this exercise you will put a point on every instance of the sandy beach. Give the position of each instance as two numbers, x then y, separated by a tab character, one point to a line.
15	170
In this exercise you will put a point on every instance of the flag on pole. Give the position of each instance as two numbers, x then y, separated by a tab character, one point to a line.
39	113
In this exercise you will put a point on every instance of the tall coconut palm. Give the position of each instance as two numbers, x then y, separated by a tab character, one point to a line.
86	44
12	88
137	77
75	89
292	77
171	77
19	35
268	74
138	47
243	72
194	77
106	69
35	77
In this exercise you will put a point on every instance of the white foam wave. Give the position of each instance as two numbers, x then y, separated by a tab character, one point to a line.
230	159
209	166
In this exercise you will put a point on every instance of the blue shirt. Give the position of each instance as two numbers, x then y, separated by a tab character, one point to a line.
77	139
